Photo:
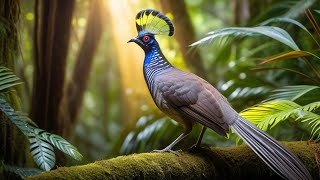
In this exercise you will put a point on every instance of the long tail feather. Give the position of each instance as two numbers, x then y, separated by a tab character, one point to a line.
275	155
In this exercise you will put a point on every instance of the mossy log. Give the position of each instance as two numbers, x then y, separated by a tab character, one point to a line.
215	163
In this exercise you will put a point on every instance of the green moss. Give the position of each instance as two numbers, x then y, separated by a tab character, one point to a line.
214	163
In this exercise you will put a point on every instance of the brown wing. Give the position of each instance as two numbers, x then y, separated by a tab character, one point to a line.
192	97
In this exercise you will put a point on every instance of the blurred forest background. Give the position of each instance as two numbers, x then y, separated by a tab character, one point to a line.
82	81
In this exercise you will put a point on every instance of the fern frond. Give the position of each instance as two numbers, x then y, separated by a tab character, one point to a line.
291	93
8	78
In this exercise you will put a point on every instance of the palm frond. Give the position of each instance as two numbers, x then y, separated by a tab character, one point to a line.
275	33
313	121
246	92
298	8
269	114
292	93
311	107
8	78
286	20
291	21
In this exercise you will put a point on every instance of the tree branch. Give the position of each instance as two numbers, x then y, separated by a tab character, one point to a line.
214	163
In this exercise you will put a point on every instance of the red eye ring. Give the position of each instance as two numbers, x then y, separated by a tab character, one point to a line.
146	38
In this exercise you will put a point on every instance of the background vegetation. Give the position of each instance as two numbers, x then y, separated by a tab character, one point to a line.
82	81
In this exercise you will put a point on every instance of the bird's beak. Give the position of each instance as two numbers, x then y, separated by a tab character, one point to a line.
132	40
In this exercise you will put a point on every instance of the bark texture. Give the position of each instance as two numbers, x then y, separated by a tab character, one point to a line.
216	163
51	42
78	83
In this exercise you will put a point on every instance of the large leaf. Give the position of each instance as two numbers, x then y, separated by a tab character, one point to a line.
289	20
8	78
61	144
41	151
292	93
269	114
15	117
270	31
40	147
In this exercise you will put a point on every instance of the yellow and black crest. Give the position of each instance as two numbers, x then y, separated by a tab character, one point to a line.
152	21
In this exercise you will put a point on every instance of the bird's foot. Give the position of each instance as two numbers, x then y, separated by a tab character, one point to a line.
196	148
177	152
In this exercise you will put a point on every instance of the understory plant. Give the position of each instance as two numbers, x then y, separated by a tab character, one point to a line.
42	143
297	69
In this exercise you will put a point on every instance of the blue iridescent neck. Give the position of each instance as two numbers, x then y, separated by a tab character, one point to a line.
155	59
154	64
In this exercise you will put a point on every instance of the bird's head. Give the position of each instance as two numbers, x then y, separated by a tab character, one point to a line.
149	23
145	41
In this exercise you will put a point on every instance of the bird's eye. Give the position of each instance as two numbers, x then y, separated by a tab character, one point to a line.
146	38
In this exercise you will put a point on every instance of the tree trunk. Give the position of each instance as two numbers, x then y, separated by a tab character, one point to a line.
185	35
51	41
216	163
14	145
78	83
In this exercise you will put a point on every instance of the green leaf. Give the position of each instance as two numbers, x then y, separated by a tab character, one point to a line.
285	56
270	113
15	118
41	151
292	93
311	107
22	171
287	20
62	145
317	11
7	78
298	8
313	121
270	31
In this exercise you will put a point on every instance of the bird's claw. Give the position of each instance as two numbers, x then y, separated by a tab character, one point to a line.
197	148
194	148
177	152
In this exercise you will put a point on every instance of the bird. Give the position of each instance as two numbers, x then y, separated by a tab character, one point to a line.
189	99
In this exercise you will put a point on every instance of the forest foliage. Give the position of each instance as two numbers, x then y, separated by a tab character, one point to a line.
80	80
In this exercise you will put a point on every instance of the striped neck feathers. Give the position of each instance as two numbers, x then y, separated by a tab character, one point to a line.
154	59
